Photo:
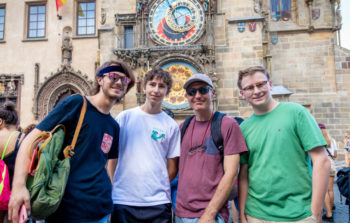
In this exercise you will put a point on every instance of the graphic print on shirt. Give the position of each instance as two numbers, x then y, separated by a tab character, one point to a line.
158	134
106	143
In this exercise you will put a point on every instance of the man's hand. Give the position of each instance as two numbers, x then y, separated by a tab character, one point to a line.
243	219
19	196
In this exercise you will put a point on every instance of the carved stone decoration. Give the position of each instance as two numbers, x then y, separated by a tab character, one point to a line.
66	81
103	17
257	6
140	57
142	7
67	47
338	16
125	19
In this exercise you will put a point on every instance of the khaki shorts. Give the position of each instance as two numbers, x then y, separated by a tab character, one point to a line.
310	219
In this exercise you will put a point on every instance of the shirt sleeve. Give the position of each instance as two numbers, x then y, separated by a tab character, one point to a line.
113	153
233	138
308	131
66	112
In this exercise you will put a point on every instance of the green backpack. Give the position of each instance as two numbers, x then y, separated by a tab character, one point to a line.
48	174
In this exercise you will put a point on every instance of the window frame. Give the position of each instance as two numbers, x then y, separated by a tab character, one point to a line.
3	31
77	19
27	30
125	37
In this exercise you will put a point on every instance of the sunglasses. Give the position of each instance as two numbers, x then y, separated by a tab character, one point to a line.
115	77
202	90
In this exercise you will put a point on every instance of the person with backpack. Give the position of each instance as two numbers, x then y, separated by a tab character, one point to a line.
210	150
148	156
280	136
10	140
87	196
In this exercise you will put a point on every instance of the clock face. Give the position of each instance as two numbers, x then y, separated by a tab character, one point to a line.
176	22
180	72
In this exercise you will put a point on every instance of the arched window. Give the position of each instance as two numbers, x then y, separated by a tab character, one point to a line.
280	9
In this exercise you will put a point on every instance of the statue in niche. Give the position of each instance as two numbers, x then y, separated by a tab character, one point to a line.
103	16
338	15
257	6
67	49
142	7
11	87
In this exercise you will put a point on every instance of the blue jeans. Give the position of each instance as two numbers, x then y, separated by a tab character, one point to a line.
218	219
103	220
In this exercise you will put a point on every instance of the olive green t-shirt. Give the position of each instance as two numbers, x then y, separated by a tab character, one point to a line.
280	184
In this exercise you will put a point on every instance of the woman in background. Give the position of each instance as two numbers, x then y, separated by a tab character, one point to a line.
332	153
10	136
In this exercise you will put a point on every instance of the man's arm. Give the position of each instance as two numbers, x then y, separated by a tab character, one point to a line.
320	177
172	166
243	184
111	165
20	194
223	190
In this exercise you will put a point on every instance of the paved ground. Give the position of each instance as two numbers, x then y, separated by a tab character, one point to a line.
341	213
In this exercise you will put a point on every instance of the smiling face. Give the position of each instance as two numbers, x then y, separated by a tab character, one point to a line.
111	88
256	89
199	98
155	89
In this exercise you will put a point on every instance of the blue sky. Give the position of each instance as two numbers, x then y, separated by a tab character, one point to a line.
345	31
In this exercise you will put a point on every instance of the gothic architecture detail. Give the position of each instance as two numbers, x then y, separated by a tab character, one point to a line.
66	81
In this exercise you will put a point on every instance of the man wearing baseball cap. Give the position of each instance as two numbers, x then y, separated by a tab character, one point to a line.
205	179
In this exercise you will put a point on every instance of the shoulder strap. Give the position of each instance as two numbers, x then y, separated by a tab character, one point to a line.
17	141
69	150
329	153
7	143
185	125
216	132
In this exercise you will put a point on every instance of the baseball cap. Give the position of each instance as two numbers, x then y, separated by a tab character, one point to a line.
322	126
198	78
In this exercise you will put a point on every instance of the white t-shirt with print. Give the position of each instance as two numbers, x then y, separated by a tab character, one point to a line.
146	141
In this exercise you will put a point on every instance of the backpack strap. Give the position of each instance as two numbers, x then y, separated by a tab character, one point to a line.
69	150
7	143
185	125
216	133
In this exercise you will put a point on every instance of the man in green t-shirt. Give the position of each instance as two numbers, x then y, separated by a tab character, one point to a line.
274	182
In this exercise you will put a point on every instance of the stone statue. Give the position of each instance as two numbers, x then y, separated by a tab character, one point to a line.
67	49
257	6
338	16
103	17
11	88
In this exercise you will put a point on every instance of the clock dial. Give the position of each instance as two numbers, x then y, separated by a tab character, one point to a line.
180	72
176	22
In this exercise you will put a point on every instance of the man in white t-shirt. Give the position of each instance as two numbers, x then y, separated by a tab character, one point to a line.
149	147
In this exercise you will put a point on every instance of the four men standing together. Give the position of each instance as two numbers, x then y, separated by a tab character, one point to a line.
274	182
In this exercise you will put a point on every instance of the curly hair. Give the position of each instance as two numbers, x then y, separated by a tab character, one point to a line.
128	72
158	72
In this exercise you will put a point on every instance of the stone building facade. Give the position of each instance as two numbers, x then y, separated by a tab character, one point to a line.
295	39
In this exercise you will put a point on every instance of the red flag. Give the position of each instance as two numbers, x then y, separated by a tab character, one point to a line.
59	3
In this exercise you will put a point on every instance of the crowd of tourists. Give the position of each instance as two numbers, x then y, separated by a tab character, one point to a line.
122	167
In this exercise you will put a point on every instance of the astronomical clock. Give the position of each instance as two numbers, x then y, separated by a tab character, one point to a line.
180	71
176	22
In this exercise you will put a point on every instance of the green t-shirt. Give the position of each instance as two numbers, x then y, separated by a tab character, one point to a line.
280	185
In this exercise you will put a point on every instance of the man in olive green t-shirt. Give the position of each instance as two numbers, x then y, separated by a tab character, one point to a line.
280	137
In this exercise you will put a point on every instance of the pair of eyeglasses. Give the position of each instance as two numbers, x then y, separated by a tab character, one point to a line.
262	85
202	90
115	77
